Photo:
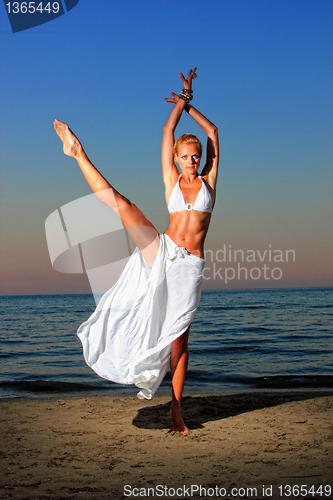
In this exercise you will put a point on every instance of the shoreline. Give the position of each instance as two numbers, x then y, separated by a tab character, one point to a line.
109	393
92	447
40	388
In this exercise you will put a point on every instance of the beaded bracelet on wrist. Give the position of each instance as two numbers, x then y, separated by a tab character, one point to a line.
186	95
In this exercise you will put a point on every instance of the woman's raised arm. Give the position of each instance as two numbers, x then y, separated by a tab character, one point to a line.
170	171
212	156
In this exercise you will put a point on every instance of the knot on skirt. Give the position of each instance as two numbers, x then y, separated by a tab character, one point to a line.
180	252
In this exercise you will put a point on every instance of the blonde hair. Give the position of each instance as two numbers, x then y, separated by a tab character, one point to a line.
187	139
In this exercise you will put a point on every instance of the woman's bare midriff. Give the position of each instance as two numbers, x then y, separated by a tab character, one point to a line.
188	229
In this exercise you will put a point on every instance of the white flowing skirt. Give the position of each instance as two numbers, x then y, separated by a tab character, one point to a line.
128	337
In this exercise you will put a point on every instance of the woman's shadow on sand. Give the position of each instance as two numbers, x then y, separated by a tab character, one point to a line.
197	410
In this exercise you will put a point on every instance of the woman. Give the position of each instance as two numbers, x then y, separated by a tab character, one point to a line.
143	322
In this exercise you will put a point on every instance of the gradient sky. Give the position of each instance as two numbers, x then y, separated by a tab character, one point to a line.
264	78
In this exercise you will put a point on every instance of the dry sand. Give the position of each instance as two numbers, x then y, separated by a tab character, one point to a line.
90	448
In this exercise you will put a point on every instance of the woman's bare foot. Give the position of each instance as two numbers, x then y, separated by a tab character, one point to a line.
177	419
72	145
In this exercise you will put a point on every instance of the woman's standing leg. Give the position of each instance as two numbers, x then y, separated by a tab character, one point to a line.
141	230
178	366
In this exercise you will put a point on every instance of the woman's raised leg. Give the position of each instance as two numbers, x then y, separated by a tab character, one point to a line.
178	366
140	229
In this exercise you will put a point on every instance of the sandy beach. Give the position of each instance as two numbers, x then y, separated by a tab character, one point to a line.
254	445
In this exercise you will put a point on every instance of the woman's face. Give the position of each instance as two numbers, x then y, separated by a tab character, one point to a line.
188	158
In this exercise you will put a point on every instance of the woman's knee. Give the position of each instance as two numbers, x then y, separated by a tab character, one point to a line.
124	205
130	214
182	340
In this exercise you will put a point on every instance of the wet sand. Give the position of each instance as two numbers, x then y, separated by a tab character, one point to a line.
92	447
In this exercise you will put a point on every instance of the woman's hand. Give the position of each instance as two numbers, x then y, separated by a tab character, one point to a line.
187	82
174	99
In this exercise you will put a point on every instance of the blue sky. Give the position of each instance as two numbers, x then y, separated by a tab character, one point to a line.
264	78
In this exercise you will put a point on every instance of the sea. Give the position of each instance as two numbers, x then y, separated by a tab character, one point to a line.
240	341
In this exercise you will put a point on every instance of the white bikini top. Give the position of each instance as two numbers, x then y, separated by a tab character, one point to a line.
203	202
